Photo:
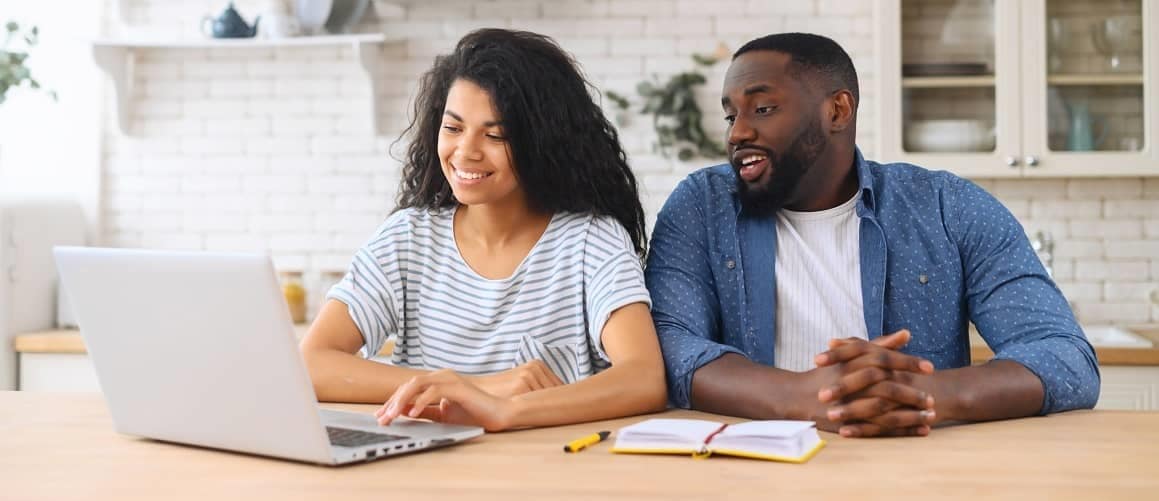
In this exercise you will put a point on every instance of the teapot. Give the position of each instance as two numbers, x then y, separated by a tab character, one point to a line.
229	25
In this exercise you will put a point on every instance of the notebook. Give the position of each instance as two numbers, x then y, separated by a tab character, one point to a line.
788	441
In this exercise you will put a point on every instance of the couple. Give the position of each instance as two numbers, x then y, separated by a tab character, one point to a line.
798	281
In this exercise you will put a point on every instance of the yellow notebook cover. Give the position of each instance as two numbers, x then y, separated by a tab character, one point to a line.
782	440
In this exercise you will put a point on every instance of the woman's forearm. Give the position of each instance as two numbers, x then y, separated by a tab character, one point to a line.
627	388
346	377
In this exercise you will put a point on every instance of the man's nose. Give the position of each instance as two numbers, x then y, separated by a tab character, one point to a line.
740	132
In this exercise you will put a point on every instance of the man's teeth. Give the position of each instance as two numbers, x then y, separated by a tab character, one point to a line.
752	159
470	175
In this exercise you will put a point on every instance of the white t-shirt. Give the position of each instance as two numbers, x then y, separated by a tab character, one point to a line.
411	281
818	283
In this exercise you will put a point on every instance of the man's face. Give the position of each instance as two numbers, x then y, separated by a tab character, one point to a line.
774	132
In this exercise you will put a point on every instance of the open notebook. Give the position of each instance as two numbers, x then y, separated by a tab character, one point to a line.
789	441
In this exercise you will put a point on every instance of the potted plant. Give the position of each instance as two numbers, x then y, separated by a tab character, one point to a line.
13	57
676	116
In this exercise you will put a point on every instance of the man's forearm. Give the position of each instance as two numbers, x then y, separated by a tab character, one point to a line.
736	386
1000	389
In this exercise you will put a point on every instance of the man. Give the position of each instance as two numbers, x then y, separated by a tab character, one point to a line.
802	281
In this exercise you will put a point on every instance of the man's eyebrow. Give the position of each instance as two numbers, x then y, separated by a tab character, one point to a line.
748	91
456	116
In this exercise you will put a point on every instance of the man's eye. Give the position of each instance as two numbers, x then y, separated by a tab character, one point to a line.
730	119
764	109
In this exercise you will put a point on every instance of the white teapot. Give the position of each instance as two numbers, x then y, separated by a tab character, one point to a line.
278	21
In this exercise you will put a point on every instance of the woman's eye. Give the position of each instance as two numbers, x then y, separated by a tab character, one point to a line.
451	128
494	137
730	119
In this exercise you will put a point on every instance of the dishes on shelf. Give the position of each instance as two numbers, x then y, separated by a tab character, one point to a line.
943	69
312	15
345	14
948	136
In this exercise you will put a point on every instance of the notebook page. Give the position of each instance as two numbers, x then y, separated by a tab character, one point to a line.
789	439
777	428
692	431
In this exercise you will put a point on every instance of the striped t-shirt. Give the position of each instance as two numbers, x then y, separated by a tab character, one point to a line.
410	281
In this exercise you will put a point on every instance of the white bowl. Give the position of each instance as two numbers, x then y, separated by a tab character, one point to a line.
948	136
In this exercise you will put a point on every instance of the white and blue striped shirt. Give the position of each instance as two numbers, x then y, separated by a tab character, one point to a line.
411	282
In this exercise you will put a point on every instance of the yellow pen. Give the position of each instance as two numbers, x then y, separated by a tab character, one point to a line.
580	443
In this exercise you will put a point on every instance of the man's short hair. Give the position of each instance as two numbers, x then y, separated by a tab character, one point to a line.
815	54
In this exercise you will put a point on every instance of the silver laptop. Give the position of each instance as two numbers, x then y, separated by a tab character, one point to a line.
198	348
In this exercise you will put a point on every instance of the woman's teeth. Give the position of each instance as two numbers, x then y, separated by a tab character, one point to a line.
470	175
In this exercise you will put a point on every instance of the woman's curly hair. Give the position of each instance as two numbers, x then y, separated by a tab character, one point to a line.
566	155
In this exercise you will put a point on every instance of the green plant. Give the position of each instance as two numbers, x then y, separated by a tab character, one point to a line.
13	71
675	115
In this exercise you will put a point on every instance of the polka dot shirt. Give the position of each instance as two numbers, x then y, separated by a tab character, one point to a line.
937	252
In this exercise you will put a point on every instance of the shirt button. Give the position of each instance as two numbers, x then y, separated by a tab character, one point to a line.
923	279
730	264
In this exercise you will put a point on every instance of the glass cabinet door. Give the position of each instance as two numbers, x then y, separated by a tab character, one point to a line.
950	85
948	76
1087	92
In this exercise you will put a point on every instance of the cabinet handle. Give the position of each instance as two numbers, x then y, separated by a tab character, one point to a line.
1031	160
1012	161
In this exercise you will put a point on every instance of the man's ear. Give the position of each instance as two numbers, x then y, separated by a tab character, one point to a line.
840	109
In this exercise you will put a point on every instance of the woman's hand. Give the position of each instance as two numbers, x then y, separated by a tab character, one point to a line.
447	397
531	376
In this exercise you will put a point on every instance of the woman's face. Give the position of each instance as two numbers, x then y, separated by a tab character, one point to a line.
473	150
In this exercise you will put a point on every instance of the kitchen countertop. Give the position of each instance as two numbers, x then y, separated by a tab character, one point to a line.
1107	355
69	341
63	341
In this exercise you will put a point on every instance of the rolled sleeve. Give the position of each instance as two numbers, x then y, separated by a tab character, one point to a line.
1017	308
685	306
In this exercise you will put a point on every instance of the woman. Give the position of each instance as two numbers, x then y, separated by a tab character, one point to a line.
510	271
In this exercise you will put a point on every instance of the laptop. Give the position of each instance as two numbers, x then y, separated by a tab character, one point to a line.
198	348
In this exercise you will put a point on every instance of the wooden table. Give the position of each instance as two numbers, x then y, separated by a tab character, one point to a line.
62	446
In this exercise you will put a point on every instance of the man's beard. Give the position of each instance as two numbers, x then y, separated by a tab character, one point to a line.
770	196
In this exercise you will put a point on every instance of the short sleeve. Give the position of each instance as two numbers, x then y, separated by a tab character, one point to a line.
613	276
372	285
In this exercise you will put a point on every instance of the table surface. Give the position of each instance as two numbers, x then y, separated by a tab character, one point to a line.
62	446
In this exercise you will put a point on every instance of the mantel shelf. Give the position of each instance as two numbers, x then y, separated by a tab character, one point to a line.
212	43
117	57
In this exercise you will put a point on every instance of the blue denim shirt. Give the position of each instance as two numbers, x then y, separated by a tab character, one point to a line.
937	252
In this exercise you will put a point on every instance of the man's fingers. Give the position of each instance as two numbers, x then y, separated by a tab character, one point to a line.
862	409
891	360
894	341
902	394
852	383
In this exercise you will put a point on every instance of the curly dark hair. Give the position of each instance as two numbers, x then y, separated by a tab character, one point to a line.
566	155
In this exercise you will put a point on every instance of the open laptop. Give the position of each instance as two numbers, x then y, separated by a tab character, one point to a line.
198	348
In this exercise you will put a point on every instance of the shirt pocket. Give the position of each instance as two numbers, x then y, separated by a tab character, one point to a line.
561	358
927	300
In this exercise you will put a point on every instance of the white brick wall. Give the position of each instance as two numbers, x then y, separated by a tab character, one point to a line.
269	150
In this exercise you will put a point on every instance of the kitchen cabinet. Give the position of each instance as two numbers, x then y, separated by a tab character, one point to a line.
1019	88
1129	388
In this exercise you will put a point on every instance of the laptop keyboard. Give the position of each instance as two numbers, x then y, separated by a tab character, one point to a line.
345	437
